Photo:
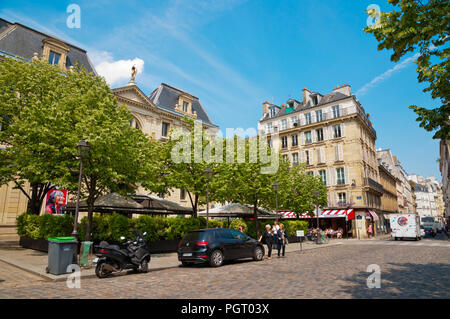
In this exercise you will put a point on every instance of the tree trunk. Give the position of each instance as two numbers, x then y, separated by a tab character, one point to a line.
194	204
38	192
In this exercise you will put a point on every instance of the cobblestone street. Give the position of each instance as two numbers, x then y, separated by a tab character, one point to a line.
408	270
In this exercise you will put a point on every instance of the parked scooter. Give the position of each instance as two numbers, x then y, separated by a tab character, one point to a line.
130	255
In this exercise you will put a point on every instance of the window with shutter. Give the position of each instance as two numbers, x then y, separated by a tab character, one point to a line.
323	176
346	175
340	176
341	152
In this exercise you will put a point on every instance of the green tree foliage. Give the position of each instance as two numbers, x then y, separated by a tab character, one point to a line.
243	181
297	191
32	120
184	163
422	28
48	113
239	222
119	155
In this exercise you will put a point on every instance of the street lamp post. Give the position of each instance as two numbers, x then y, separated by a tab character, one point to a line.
276	188
316	193
208	174
83	152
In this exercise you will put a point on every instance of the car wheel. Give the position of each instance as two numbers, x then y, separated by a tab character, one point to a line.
258	254
216	258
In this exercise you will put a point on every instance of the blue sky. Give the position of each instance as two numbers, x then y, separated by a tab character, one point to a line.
236	54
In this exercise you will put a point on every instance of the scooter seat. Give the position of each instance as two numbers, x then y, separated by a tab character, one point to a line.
105	244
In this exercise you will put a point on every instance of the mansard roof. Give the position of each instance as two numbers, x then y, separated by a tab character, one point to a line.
166	97
22	41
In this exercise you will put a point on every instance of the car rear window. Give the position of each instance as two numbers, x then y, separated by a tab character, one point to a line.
193	236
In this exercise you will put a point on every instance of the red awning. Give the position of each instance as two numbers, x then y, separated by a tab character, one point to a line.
349	213
288	215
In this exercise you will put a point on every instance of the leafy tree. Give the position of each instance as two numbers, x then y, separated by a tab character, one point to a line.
119	154
297	191
184	162
245	181
33	127
422	28
48	113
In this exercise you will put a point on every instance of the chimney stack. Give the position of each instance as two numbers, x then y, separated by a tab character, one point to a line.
305	94
344	89
265	107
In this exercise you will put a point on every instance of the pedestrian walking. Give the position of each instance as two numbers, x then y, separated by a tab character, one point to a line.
369	230
282	240
267	238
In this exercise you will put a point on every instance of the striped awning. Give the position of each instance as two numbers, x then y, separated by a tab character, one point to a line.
374	215
288	215
307	215
338	213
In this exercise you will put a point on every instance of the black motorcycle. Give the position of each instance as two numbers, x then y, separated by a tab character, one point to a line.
116	258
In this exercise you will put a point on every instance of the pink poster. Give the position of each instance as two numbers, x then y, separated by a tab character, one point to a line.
55	201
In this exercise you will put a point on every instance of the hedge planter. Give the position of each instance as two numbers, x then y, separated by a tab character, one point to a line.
163	246
35	244
293	239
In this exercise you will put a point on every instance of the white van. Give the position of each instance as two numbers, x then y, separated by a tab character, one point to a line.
405	226
429	222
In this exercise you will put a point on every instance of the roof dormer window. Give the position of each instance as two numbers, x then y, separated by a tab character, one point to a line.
314	100
55	52
272	112
53	58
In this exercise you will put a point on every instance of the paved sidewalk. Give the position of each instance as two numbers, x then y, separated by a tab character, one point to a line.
35	262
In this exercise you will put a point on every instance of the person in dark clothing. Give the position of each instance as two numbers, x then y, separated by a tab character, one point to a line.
282	236
267	238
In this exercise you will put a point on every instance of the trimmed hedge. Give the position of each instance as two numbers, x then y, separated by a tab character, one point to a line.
111	227
45	226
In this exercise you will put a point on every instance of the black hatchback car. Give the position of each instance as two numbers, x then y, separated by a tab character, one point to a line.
216	245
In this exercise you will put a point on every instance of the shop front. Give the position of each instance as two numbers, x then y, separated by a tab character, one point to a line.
365	221
333	220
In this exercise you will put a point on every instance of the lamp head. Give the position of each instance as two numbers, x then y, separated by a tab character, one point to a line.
208	173
276	186
83	148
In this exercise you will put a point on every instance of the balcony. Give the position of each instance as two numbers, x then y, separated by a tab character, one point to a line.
373	185
327	116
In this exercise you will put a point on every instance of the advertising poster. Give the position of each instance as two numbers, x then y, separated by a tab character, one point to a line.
55	201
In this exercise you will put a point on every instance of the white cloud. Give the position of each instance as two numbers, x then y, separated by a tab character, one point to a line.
114	71
383	77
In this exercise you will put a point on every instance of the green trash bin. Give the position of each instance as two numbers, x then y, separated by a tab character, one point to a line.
84	253
60	254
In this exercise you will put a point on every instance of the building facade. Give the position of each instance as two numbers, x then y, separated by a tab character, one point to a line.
429	197
334	137
160	112
444	167
404	190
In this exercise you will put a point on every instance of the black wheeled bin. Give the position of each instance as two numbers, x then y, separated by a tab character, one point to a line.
60	254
